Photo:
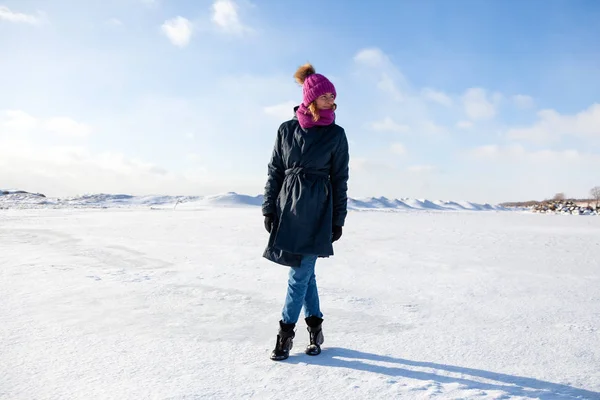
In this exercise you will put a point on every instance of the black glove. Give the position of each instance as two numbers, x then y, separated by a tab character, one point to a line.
337	233
269	220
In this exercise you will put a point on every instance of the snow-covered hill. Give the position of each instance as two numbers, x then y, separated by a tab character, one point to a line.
419	204
20	199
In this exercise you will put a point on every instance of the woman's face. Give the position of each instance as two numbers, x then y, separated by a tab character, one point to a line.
325	102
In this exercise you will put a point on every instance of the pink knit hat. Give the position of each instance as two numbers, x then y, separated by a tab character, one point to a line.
313	84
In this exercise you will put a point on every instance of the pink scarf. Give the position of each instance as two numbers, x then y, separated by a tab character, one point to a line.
306	120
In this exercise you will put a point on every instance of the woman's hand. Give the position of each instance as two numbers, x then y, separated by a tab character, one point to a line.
269	220
337	233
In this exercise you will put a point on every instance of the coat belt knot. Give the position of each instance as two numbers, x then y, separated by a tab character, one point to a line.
306	171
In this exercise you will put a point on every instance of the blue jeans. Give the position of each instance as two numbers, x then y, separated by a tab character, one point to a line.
302	291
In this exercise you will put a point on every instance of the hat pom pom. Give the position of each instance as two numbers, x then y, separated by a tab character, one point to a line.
304	72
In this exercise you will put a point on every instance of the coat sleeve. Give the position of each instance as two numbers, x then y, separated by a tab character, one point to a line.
339	180
276	174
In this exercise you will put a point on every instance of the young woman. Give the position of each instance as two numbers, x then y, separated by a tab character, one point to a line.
305	203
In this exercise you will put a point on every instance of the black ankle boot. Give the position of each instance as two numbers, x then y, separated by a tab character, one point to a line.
315	334
284	342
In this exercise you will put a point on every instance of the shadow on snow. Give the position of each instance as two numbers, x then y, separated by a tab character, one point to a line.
511	384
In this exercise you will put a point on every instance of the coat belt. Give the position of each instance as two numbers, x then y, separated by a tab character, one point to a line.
307	171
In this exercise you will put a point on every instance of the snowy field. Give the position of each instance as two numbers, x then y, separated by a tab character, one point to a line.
163	304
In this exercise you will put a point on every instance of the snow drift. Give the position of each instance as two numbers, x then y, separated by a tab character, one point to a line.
21	199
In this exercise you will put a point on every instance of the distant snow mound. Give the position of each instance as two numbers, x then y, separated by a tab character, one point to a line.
100	198
21	199
423	204
481	207
450	205
229	199
375	203
124	200
26	199
4	192
380	203
233	199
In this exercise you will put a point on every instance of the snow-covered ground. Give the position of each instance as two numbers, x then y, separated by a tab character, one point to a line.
178	304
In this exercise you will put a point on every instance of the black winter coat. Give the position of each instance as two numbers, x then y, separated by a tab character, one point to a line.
305	191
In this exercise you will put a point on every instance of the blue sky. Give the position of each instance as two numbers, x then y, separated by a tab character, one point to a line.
464	100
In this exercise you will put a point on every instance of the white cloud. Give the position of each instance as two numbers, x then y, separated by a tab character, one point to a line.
283	111
437	97
388	85
358	163
551	125
492	151
371	57
464	124
226	17
477	105
523	101
377	167
13	121
421	168
119	163
178	30
11	16
522	173
378	67
114	22
398	149
432	128
52	159
67	127
388	125
71	170
193	157
17	120
517	152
